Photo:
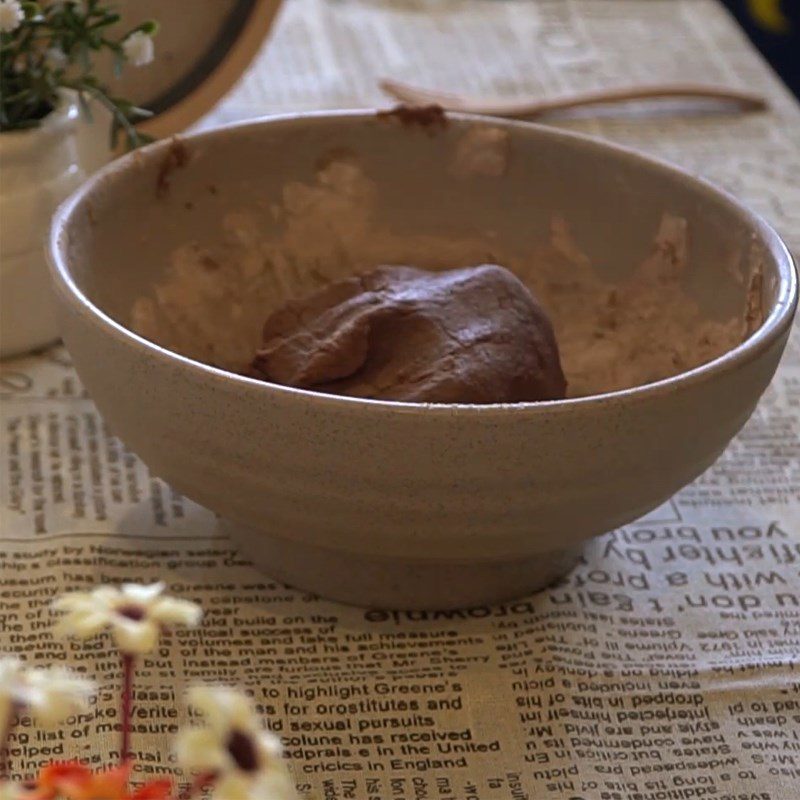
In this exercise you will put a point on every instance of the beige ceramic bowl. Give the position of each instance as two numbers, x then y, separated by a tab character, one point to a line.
393	504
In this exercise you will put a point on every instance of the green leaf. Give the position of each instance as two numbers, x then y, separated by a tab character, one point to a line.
137	113
150	27
28	123
106	20
83	57
114	134
79	31
31	10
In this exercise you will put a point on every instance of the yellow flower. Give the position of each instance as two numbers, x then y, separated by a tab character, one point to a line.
135	614
769	15
244	758
48	695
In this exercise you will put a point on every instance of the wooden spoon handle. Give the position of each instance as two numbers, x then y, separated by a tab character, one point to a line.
746	101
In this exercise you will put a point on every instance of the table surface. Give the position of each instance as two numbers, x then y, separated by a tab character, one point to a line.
77	497
329	54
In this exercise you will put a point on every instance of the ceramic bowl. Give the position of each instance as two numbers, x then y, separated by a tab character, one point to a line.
392	504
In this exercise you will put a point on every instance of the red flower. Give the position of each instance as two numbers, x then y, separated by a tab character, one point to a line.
153	790
74	781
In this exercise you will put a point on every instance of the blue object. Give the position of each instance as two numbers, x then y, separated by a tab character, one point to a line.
774	28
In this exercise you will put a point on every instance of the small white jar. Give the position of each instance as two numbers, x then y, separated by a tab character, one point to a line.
39	167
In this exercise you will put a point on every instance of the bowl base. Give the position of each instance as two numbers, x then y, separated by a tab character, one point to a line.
372	581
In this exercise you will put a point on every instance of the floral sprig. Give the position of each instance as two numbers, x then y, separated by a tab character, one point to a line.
233	752
49	46
48	695
136	616
233	756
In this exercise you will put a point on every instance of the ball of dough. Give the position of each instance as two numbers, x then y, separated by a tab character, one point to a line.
472	335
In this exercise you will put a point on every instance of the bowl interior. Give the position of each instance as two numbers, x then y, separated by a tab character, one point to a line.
123	228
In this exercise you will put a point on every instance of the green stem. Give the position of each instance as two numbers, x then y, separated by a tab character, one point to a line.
26	96
106	102
18	96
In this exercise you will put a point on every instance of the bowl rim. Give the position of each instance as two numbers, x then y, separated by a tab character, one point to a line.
773	327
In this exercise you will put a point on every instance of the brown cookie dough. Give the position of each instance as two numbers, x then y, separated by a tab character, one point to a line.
472	335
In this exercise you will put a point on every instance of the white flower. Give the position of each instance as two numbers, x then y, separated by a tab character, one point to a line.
245	758
49	695
11	15
138	48
135	614
55	58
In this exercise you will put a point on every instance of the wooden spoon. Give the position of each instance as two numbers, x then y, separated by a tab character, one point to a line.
745	101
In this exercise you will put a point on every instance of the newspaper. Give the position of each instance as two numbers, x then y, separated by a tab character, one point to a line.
665	666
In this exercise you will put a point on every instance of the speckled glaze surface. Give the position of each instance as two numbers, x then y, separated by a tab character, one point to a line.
392	504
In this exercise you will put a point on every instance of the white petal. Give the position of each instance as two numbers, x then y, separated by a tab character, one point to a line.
103	598
48	708
270	749
234	786
135	637
11	15
138	49
11	791
106	596
200	750
73	601
276	784
11	669
172	611
64	678
142	594
240	712
53	694
224	708
82	624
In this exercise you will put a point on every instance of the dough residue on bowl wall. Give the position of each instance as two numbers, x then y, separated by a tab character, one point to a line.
214	300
